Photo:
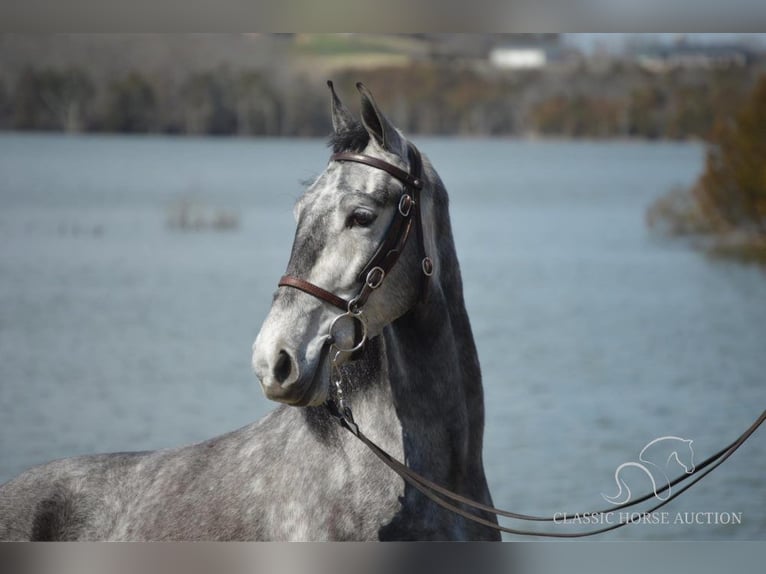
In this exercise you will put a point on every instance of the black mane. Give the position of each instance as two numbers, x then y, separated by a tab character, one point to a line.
353	139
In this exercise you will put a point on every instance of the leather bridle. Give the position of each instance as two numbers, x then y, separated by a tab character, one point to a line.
407	215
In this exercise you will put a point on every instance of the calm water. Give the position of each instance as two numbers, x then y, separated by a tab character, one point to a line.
118	333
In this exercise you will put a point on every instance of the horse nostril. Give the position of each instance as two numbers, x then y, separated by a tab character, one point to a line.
283	367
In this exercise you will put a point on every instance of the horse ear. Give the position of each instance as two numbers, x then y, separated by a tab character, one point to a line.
342	120
377	125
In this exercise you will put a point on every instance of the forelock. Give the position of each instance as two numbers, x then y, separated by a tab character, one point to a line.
353	139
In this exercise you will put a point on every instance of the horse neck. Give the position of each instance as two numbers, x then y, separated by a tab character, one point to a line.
434	372
418	385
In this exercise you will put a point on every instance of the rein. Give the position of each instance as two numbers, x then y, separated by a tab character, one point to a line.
407	215
448	499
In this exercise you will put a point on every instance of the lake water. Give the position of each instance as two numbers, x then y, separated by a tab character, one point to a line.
596	337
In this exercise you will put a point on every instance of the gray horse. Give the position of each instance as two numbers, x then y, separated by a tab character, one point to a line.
415	388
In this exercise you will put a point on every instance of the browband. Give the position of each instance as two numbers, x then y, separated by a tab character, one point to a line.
408	179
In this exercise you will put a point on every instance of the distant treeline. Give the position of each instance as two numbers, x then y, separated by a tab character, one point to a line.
615	100
727	203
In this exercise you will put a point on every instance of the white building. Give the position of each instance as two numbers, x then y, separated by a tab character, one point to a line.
518	58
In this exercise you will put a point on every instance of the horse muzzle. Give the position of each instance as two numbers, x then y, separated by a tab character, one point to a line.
287	380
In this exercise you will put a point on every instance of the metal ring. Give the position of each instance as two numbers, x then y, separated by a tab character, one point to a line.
353	307
428	266
369	279
362	340
405	204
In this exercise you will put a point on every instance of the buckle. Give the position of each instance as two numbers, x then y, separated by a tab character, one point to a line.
405	204
372	281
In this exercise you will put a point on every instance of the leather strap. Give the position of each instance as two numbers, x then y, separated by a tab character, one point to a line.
314	290
408	179
408	213
448	499
387	253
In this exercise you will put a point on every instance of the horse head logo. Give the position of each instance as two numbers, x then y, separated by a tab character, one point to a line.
654	460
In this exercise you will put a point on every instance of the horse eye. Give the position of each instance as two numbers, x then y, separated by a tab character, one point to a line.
361	218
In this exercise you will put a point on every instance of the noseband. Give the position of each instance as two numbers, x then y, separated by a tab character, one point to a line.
407	215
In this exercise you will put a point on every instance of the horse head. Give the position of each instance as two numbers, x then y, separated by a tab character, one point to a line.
668	448
684	455
342	220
